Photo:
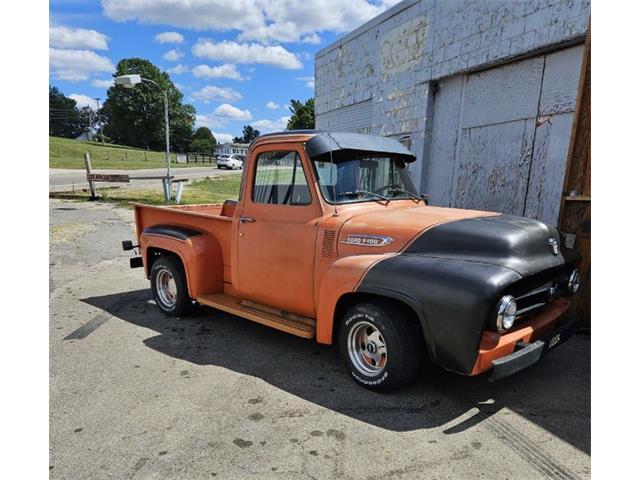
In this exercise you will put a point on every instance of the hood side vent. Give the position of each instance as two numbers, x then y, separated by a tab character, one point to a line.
328	243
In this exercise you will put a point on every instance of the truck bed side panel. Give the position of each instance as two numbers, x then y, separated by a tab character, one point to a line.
206	256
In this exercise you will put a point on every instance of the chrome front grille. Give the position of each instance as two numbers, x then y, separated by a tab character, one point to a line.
541	296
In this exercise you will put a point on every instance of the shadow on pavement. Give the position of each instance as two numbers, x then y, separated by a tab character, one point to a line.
554	394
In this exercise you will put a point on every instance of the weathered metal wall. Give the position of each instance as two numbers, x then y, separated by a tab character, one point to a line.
500	137
414	66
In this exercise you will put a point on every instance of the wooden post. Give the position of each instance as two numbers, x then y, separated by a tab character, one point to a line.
575	206
87	165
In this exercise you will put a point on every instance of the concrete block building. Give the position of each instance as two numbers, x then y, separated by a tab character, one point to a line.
484	92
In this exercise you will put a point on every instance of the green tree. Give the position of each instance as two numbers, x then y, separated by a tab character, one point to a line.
64	116
136	116
303	115
87	120
203	141
248	135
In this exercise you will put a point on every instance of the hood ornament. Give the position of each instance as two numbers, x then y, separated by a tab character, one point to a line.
367	240
553	244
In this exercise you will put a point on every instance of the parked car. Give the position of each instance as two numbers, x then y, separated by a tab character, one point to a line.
228	161
330	240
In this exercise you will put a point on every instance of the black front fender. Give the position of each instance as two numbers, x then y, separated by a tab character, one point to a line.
453	299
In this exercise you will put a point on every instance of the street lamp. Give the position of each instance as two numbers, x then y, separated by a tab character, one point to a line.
130	81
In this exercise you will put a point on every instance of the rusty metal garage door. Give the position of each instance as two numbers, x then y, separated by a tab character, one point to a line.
500	137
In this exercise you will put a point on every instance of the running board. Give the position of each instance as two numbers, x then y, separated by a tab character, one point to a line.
287	322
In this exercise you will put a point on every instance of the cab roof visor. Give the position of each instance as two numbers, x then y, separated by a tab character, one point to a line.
322	144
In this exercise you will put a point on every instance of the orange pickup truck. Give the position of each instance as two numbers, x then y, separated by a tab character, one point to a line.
329	240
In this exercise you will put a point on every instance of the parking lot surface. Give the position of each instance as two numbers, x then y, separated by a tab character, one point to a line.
137	394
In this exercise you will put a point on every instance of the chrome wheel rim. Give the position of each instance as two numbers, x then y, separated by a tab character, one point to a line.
166	288
367	349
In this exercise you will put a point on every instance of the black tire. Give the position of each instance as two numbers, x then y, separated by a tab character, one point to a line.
181	303
400	339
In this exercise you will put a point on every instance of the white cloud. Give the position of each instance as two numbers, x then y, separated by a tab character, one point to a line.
272	105
192	14
102	83
173	55
235	52
82	38
266	126
229	111
211	92
210	121
262	20
221	116
169	37
178	69
313	38
308	81
223	137
227	70
83	100
77	65
289	20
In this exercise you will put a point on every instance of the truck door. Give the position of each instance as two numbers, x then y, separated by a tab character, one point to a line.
276	231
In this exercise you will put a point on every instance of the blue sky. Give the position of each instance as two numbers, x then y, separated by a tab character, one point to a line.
238	62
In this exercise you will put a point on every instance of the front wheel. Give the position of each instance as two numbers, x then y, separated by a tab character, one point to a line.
379	345
169	286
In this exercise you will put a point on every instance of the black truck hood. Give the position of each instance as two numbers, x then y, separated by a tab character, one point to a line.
453	274
520	244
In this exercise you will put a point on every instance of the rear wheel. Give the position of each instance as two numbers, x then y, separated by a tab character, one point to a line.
379	345
169	286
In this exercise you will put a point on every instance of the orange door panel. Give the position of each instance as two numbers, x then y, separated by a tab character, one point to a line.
276	243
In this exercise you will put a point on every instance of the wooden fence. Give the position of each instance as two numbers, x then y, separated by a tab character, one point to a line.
193	157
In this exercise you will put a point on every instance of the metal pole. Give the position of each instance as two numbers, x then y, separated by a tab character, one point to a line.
166	126
99	121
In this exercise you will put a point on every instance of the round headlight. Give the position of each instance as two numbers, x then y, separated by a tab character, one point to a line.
574	282
507	309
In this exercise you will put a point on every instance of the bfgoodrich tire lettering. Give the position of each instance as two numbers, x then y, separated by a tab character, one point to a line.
379	345
169	286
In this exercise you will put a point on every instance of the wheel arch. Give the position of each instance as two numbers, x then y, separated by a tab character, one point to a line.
409	305
200	256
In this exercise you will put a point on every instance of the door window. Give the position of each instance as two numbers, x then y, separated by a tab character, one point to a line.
280	179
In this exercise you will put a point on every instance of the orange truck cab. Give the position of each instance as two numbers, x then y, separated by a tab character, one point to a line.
329	240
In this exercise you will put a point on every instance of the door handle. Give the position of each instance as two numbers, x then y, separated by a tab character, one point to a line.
247	220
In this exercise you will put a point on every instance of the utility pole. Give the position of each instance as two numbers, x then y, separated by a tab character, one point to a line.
130	81
99	121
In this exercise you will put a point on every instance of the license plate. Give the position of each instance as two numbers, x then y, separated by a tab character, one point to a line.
554	341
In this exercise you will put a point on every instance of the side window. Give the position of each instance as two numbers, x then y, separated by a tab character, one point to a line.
280	180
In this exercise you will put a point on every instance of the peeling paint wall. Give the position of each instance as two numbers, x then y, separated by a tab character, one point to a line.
405	74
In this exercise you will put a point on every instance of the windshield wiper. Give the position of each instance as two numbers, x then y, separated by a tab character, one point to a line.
365	192
397	189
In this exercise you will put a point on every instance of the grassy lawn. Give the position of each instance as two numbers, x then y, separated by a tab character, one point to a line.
68	153
207	190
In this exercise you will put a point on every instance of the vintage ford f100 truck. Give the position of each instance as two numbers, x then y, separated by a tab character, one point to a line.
330	240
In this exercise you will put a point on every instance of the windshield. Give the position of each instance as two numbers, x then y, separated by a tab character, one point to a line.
363	177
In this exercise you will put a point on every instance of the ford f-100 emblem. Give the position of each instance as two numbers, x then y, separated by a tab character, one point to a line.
368	240
553	243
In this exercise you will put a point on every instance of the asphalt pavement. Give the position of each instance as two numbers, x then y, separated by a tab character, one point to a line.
137	394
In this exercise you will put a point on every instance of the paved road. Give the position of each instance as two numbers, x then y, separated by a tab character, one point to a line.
136	394
66	179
